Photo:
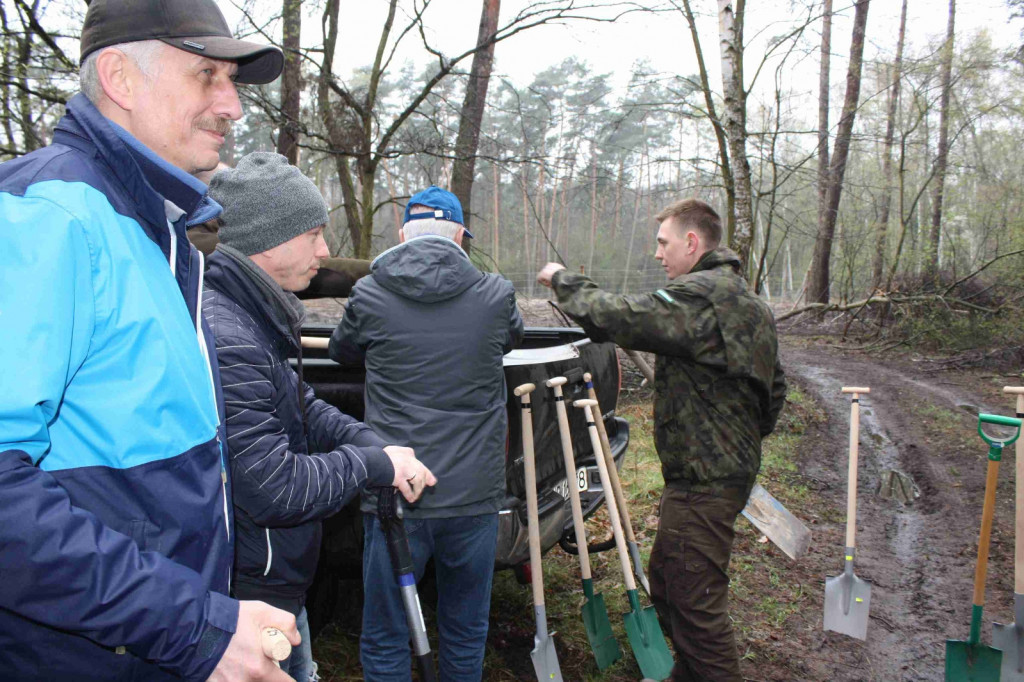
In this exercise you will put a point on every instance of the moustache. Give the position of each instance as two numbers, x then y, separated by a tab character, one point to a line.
221	126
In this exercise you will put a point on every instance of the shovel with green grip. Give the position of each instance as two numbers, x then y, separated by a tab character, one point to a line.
620	498
972	661
544	657
1010	638
847	597
645	636
595	613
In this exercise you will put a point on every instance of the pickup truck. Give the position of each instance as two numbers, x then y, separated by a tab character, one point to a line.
545	353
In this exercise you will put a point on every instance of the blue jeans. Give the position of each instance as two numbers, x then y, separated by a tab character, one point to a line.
300	663
463	549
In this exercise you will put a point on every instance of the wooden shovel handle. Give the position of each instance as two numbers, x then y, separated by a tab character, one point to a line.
529	465
315	342
641	365
1018	536
613	511
276	646
855	389
851	489
606	447
981	568
570	476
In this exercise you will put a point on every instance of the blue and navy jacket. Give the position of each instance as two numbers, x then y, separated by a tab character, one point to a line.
115	532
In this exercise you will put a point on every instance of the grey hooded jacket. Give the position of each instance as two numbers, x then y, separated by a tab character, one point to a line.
432	330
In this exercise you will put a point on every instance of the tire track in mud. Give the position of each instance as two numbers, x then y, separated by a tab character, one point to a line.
919	556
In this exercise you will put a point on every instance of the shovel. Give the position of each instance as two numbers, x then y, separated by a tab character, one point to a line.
1010	638
545	660
645	636
971	660
595	613
620	499
786	531
847	597
389	512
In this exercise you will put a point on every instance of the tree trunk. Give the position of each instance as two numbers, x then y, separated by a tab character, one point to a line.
824	91
5	91
496	175
30	138
473	110
617	213
881	237
636	217
291	82
931	262
593	208
818	284
716	123
730	29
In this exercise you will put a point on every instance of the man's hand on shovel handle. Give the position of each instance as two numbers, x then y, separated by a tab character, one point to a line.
411	477
244	660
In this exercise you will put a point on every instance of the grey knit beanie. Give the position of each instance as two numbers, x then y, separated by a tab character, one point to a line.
266	202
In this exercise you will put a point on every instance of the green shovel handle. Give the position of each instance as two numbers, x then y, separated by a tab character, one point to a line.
997	444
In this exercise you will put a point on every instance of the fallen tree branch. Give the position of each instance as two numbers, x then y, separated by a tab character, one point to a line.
960	281
830	307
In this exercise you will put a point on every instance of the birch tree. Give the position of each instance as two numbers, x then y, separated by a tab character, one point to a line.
730	29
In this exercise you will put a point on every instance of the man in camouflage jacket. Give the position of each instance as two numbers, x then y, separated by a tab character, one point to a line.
718	391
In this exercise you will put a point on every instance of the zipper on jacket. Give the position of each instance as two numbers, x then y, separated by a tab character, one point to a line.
201	338
173	259
270	554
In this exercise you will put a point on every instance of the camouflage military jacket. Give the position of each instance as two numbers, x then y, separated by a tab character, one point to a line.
718	383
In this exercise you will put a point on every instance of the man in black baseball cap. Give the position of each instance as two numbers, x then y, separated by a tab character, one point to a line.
116	532
196	26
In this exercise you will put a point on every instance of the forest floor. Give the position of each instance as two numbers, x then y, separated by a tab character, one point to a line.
919	556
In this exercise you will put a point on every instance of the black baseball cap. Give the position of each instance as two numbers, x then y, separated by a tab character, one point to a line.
196	26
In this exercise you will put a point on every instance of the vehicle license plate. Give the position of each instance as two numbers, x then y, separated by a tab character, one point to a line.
581	483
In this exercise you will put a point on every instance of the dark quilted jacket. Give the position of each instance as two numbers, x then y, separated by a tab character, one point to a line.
284	483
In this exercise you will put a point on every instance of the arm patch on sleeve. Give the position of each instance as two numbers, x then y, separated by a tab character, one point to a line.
665	295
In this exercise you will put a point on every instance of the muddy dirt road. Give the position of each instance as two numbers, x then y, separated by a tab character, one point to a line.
920	556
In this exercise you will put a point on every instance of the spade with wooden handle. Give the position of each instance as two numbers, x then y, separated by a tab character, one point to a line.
544	657
1010	638
620	498
972	661
642	628
595	613
847	597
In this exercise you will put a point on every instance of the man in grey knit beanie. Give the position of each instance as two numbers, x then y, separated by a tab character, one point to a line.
266	202
294	458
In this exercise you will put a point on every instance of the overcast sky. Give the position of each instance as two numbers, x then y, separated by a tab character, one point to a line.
662	39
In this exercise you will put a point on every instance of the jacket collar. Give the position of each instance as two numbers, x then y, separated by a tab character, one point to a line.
718	257
147	178
228	277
